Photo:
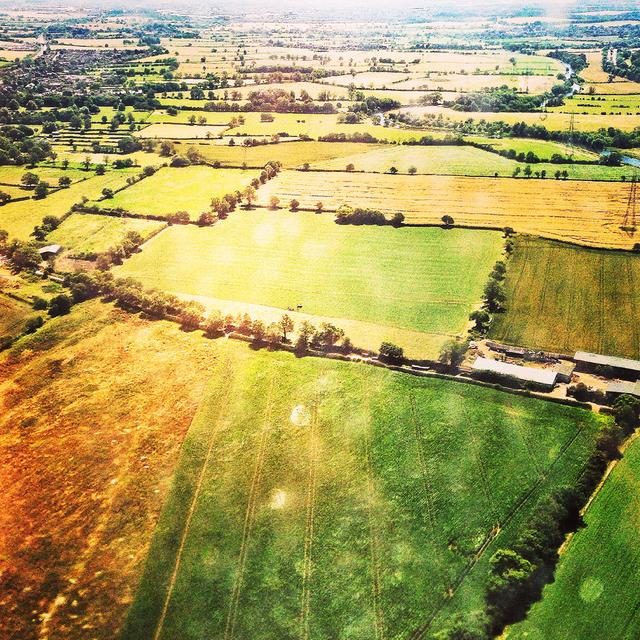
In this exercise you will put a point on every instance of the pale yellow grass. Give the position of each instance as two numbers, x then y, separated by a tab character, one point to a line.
594	72
364	335
552	121
589	213
181	131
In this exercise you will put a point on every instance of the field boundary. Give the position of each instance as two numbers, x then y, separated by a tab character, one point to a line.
192	507
250	514
309	526
374	537
419	633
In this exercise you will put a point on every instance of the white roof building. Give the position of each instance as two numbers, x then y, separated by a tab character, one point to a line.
542	377
50	248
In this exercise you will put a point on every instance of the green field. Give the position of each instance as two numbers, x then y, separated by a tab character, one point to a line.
11	175
331	500
565	298
601	104
171	189
293	124
109	112
544	149
454	160
20	218
291	154
597	583
88	233
462	161
13	315
426	280
552	121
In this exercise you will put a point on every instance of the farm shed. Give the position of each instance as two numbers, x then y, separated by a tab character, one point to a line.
617	389
50	251
565	371
609	366
541	378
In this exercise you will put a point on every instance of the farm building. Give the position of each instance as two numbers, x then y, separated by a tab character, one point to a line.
50	251
565	371
608	366
541	378
617	389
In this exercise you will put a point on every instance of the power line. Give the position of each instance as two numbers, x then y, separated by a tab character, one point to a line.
631	214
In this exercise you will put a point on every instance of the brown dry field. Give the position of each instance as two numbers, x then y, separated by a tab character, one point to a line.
93	410
594	72
587	213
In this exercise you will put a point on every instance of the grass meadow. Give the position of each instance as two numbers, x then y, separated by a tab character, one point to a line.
427	280
597	581
292	124
552	120
174	189
13	315
601	104
544	149
11	175
565	298
332	500
89	233
463	161
291	154
180	131
20	218
454	160
105	398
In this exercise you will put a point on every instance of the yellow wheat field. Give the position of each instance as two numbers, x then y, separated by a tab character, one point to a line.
588	213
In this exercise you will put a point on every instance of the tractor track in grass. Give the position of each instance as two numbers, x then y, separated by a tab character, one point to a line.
192	507
309	526
424	467
250	512
601	316
484	476
420	632
374	539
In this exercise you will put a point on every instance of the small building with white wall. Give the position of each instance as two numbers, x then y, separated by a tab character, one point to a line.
544	379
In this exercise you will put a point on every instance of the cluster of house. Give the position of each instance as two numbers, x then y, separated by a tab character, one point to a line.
624	371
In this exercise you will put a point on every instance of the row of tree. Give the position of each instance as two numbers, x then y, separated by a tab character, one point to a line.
360	216
132	296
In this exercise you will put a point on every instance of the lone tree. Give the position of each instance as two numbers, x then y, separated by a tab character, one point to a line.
191	316
30	179
305	332
452	353
259	331
293	205
391	353
59	305
412	171
274	201
447	221
214	324
286	325
249	194
398	219
41	190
